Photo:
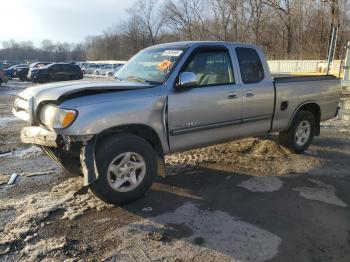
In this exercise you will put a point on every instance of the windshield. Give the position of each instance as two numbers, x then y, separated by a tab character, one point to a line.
150	66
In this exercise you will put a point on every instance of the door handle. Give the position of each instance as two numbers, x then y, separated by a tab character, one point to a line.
249	94
232	95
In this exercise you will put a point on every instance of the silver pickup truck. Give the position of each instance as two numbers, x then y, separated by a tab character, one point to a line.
169	98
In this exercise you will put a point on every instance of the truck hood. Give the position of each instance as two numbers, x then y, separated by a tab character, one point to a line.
55	91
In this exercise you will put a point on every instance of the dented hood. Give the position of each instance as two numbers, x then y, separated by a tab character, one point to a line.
54	91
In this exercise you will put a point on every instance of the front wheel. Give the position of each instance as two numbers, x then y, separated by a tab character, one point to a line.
126	165
300	133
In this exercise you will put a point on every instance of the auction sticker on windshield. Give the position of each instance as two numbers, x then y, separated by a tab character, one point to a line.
164	65
172	53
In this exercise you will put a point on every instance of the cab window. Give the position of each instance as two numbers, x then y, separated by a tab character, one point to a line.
211	68
252	70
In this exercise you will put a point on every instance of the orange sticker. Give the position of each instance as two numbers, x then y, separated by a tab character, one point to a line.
164	65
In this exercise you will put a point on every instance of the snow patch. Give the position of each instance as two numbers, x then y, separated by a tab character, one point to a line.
28	152
4	120
323	193
262	184
32	210
32	151
35	251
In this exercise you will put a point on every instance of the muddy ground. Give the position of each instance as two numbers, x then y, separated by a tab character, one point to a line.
248	200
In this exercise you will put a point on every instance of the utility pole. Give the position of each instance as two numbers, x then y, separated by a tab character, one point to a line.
332	47
344	112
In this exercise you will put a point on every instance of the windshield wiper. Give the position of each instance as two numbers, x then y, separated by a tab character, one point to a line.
141	80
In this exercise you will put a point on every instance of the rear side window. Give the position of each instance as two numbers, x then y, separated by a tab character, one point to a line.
55	68
252	70
211	68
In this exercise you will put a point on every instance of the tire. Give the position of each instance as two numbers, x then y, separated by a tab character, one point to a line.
64	160
97	73
291	139
117	147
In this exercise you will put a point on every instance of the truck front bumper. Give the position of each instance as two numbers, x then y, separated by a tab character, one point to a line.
39	136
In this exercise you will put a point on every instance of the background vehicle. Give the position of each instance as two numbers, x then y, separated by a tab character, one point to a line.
21	73
34	66
3	77
108	69
11	70
89	68
57	72
170	98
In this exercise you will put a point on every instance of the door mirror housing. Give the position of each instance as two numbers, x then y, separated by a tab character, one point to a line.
187	79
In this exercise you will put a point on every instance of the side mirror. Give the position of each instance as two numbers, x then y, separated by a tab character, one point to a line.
187	79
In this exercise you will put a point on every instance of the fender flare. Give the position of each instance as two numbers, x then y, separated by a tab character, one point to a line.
300	106
88	162
89	167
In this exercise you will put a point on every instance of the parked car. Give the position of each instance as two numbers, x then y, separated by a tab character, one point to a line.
89	68
170	98
3	77
10	71
108	69
4	66
21	73
56	72
35	66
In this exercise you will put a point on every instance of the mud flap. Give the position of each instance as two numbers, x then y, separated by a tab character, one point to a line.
161	167
88	162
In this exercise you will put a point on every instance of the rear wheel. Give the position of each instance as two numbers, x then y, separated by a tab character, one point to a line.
127	165
300	133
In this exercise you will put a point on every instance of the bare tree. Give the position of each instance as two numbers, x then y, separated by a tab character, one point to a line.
258	16
148	18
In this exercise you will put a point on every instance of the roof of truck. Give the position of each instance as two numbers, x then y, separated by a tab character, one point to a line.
185	44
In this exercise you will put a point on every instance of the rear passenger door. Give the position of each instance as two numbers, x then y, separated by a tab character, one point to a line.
258	92
67	72
210	111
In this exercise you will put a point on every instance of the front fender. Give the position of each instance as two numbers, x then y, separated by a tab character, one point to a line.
132	109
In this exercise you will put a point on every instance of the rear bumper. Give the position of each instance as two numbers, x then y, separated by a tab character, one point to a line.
39	136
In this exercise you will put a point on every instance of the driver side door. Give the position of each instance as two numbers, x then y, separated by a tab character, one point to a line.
210	111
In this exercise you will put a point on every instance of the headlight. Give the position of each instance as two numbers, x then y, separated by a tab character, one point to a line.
54	117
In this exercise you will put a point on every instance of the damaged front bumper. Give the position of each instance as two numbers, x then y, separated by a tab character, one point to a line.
39	136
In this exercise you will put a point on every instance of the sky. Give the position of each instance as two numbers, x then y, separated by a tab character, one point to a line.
59	20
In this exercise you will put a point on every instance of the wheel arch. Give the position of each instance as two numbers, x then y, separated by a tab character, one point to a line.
141	130
314	108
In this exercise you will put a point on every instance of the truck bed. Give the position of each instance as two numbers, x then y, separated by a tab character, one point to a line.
292	91
285	78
